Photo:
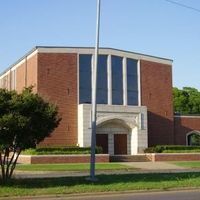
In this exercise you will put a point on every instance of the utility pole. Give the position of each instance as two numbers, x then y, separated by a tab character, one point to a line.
94	91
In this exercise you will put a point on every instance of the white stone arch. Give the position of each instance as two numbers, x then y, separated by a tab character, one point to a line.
130	124
191	133
133	118
115	125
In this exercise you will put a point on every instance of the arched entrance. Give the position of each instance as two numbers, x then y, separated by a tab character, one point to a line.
193	138
114	137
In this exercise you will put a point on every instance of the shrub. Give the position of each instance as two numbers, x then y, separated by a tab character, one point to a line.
149	150
60	150
172	149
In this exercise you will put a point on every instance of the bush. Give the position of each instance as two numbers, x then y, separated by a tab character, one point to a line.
149	150
172	149
60	150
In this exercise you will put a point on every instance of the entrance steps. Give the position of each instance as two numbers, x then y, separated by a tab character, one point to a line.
129	158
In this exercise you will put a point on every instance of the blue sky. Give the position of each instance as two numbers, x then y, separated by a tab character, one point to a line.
154	27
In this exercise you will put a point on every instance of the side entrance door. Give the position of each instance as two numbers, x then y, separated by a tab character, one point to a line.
102	141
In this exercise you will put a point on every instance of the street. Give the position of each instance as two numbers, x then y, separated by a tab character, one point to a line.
175	195
166	195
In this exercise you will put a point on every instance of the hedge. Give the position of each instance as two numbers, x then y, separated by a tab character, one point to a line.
60	150
172	149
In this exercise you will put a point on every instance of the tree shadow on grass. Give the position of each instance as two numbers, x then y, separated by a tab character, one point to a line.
103	180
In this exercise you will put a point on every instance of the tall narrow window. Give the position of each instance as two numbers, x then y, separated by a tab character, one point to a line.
117	80
132	82
85	78
102	85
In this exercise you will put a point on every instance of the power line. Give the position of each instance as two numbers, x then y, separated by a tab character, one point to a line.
183	5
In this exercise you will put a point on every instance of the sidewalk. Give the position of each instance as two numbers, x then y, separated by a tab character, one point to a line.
139	167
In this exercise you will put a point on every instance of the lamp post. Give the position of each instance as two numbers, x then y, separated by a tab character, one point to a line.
94	90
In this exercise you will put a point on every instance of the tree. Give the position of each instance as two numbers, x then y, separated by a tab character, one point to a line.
186	101
25	120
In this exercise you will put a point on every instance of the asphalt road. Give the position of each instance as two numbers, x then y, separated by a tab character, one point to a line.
175	195
168	195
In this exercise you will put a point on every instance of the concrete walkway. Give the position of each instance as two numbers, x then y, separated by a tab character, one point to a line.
139	167
153	165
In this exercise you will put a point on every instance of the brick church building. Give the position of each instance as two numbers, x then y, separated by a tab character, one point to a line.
134	97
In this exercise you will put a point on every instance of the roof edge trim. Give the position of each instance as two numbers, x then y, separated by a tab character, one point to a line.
77	49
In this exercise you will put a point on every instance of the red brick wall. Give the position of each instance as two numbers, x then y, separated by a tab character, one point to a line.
32	73
9	80
156	94
20	77
184	125
27	71
57	82
173	156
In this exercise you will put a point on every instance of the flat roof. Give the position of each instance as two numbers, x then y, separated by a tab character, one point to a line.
63	49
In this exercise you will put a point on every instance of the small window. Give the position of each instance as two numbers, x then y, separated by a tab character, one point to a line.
193	139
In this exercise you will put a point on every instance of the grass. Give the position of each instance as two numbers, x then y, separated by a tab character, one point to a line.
105	183
190	164
71	167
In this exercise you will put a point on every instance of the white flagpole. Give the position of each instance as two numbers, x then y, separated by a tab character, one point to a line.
94	90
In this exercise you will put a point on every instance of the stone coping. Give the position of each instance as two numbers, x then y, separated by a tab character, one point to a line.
50	159
85	158
66	155
172	153
154	157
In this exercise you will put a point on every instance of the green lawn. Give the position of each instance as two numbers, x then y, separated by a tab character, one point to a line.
105	183
189	164
71	167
